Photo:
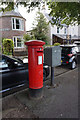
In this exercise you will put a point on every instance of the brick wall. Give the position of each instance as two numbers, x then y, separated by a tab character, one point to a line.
0	22
6	26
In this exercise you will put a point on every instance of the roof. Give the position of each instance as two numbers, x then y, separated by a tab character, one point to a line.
75	37
11	13
62	36
69	45
50	19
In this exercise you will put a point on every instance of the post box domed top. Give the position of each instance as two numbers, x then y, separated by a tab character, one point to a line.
34	43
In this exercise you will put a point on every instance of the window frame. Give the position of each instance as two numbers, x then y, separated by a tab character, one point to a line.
65	30
58	30
21	24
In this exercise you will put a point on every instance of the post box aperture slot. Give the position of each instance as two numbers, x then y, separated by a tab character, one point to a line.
39	51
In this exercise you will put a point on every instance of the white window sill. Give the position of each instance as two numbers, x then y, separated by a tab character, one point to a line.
17	30
19	47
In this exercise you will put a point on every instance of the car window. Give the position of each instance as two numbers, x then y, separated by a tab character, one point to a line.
66	50
75	50
3	63
13	64
17	63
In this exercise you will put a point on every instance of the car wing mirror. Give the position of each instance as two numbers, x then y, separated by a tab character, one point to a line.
25	60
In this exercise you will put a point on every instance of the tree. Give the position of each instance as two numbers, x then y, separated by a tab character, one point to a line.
61	12
41	29
7	46
27	37
65	13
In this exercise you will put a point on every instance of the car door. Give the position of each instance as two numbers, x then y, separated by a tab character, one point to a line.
3	73
14	74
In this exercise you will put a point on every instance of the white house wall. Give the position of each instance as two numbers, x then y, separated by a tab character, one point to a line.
54	30
73	30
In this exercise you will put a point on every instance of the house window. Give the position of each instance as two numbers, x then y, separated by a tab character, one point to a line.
57	29
64	30
18	42
17	24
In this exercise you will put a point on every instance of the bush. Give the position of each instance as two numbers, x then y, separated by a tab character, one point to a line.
0	49
7	46
57	44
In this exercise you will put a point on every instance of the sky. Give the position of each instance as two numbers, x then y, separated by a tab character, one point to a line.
30	17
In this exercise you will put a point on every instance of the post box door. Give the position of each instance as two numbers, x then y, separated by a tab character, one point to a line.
36	67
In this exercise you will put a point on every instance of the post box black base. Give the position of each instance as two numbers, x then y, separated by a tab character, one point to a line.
35	93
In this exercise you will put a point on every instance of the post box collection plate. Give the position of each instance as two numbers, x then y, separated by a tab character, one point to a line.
39	60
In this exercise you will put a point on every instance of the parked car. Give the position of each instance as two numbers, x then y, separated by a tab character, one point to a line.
15	73
69	55
77	42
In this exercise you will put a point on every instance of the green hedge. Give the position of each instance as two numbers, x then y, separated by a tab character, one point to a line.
7	46
57	44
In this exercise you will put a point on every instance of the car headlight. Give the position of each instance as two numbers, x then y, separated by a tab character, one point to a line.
46	66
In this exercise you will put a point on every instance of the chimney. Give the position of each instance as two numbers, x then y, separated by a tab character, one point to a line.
15	7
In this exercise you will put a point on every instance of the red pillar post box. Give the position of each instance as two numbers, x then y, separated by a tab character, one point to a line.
35	67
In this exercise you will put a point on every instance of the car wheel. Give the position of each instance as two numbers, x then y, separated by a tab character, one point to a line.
44	75
73	64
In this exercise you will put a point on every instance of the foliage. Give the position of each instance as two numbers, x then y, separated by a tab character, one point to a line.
9	6
7	46
27	37
65	12
57	44
61	12
41	29
45	46
29	5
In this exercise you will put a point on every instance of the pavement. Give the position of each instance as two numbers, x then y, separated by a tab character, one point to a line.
58	101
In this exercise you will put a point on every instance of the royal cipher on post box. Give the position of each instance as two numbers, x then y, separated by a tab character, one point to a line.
52	56
35	63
